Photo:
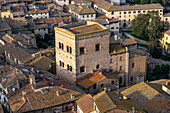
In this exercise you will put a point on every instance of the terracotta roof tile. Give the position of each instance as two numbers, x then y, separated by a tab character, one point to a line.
86	103
103	102
90	79
17	53
149	98
135	7
42	98
83	10
43	63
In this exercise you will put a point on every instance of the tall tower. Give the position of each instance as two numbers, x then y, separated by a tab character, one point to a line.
81	48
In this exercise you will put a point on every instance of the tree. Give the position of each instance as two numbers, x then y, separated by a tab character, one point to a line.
148	26
161	71
155	51
157	71
140	24
165	70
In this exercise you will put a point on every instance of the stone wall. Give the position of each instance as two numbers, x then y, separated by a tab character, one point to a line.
137	40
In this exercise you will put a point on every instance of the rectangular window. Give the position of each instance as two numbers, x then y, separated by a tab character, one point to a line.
82	69
129	12
120	67
120	80
102	85
133	65
112	82
134	11
67	49
59	44
110	60
124	12
97	47
138	11
121	58
94	86
131	78
81	50
92	15
112	12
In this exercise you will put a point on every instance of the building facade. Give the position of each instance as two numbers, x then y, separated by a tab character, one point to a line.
37	14
125	13
132	65
165	41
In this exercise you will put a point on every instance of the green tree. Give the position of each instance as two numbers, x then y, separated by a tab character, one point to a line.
140	24
157	71
148	26
165	70
155	51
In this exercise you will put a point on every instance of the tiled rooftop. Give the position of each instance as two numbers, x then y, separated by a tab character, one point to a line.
17	53
85	29
83	10
86	103
82	28
4	26
135	7
11	77
90	79
103	102
148	97
116	49
43	63
129	42
41	98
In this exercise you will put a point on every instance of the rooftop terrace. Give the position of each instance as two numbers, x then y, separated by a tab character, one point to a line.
86	29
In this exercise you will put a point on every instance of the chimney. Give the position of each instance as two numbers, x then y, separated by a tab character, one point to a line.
105	89
40	53
112	3
166	82
133	109
57	92
71	96
23	95
126	49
